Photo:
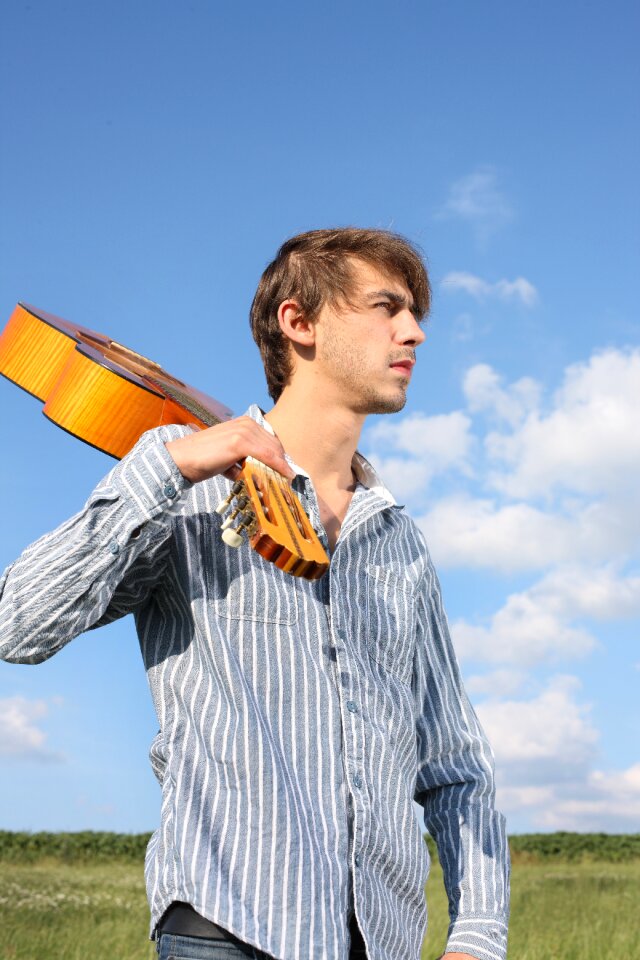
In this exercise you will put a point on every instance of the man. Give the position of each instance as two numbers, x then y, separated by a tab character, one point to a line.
298	720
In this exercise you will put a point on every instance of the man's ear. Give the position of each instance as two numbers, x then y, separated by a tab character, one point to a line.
295	325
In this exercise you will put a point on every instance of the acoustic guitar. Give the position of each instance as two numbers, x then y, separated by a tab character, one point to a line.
108	395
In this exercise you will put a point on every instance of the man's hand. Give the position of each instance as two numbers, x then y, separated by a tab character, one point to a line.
215	450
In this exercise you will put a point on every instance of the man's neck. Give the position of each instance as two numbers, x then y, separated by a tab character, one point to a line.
319	436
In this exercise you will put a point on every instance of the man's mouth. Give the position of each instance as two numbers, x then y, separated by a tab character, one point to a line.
404	366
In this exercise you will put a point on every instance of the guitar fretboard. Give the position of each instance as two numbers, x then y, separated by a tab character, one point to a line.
186	401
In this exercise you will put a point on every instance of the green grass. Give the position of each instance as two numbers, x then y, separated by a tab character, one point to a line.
559	911
53	910
59	911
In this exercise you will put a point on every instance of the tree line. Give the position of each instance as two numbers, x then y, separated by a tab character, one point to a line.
94	846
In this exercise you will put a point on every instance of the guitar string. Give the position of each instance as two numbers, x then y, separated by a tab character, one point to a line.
185	400
293	533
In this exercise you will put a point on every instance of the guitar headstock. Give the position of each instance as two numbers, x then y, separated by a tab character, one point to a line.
271	516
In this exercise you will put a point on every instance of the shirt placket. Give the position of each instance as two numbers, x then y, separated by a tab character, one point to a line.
353	711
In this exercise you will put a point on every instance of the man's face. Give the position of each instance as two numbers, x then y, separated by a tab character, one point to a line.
365	350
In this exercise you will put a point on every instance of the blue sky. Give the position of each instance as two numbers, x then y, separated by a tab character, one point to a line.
154	157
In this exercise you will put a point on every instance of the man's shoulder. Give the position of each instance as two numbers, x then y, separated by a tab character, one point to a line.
401	549
409	527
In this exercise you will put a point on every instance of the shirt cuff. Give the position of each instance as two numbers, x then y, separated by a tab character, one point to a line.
481	937
474	854
148	478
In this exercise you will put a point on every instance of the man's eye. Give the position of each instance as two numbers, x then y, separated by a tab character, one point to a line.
385	304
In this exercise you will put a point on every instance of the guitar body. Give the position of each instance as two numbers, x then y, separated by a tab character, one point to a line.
108	396
93	387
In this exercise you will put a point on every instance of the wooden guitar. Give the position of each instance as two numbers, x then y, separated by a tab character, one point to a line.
107	395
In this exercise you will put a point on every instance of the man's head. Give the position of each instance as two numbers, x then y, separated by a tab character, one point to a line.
320	268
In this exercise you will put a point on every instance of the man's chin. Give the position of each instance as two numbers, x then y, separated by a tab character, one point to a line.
382	404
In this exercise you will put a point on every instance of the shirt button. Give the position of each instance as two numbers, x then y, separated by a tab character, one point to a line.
352	706
357	781
356	860
169	491
114	547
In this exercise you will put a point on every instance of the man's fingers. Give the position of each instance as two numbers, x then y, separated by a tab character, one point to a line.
270	458
270	451
276	460
219	449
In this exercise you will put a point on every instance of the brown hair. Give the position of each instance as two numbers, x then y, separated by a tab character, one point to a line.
314	268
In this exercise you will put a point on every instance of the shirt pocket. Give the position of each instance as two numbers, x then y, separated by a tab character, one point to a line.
239	584
390	621
258	593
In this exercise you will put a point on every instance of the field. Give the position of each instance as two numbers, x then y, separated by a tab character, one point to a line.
566	904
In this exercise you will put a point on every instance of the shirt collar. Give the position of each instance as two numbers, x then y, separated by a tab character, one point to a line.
363	470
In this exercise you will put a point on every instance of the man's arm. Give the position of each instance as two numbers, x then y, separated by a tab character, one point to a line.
98	565
455	786
104	562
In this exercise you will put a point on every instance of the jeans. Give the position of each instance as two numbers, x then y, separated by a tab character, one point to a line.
170	947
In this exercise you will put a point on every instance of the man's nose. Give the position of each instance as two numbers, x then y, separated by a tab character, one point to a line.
409	330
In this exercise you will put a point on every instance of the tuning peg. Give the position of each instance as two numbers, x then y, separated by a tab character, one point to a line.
248	520
232	538
240	508
237	488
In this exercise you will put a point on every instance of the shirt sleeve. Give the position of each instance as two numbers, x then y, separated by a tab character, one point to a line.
455	786
100	564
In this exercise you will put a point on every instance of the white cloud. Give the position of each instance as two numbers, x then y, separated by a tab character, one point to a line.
541	740
519	289
546	749
20	734
467	532
602	800
478	200
498	683
429	446
535	626
463	531
406	478
608	800
581	457
596	593
445	437
589	443
483	390
525	631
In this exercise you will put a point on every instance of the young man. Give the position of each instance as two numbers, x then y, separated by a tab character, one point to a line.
298	720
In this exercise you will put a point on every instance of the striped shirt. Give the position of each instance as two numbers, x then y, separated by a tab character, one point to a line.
297	720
